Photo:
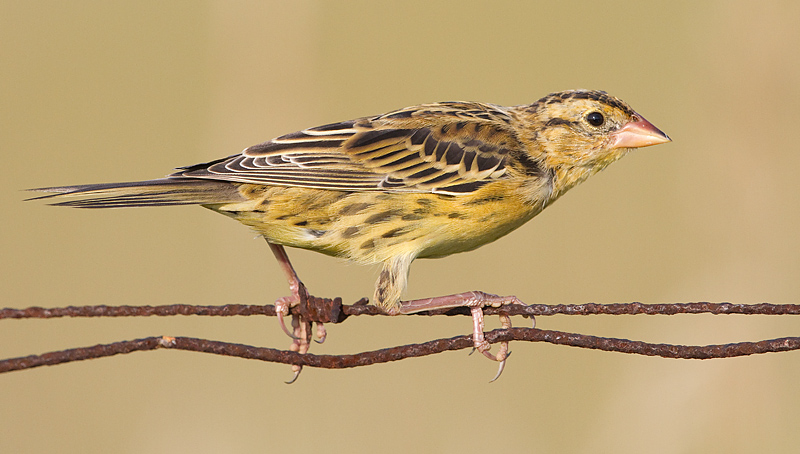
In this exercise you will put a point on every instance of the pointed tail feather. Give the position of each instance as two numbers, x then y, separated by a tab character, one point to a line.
164	191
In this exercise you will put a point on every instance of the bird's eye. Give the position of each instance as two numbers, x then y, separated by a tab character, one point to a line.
595	119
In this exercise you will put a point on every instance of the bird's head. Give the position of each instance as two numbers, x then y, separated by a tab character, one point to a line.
588	129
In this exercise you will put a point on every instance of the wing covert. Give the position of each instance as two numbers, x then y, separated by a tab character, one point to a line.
450	148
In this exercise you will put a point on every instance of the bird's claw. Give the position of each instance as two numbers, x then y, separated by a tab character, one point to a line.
296	370
322	333
500	368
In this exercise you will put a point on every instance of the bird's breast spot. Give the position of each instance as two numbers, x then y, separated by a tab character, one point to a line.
314	233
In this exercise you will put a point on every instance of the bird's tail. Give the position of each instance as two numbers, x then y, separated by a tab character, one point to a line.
164	191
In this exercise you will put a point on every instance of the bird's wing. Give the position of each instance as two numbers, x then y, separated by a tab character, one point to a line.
450	148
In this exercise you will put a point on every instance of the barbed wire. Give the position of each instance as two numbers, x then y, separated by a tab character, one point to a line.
360	307
333	311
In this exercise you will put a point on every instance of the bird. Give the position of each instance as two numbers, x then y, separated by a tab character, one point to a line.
425	181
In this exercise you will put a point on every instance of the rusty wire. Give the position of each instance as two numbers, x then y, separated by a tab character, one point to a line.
361	308
332	310
401	352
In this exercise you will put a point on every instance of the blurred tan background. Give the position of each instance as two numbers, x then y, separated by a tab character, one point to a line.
116	91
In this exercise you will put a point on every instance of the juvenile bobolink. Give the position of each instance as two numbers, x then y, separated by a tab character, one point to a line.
421	182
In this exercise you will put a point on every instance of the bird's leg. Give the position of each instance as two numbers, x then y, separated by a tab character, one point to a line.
392	281
476	301
283	304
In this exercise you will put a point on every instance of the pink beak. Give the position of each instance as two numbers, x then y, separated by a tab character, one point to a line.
638	133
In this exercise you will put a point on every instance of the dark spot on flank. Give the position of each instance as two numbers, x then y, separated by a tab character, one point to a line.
236	213
411	217
252	191
368	244
301	223
395	232
425	202
460	125
259	210
383	216
354	208
455	215
422	211
485	200
350	232
318	206
316	233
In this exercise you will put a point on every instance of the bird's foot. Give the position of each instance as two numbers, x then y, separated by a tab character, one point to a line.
301	335
476	301
306	310
283	306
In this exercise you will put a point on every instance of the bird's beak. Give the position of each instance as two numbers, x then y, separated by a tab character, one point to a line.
638	133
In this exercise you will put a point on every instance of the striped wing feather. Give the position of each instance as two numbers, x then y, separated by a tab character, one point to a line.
450	148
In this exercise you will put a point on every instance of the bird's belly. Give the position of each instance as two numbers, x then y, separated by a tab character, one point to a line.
371	227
